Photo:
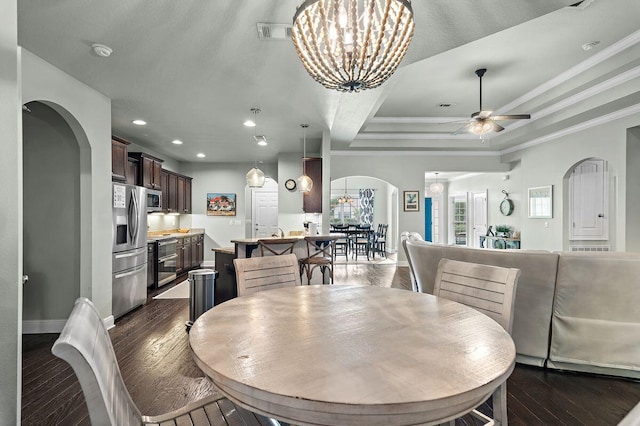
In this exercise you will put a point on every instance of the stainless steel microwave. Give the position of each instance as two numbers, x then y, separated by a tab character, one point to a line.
154	201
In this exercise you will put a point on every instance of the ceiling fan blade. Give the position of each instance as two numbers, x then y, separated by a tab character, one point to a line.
481	114
512	117
464	129
496	127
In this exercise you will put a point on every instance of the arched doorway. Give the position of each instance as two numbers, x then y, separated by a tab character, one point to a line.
54	225
381	204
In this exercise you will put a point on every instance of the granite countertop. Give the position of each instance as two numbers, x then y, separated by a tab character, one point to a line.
226	250
172	233
255	240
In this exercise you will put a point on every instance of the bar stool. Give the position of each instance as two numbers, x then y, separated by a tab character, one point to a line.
277	246
320	251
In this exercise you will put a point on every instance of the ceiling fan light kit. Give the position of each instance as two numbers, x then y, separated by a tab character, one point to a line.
482	122
352	45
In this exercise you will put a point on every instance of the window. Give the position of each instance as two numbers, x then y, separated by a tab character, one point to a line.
348	212
458	220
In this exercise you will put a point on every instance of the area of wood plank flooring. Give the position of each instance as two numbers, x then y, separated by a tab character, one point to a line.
152	348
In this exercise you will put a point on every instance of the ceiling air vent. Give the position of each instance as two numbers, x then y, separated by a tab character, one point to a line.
274	31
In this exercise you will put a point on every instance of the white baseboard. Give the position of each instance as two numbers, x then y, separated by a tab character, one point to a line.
54	326
208	264
403	263
42	326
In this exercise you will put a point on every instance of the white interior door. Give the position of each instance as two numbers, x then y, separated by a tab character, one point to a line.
480	214
265	213
589	201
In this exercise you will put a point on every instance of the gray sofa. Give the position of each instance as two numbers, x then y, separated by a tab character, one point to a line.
573	311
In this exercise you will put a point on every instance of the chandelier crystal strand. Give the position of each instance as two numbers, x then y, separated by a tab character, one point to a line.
352	45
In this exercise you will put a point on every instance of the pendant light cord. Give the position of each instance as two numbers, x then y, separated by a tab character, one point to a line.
304	148
255	112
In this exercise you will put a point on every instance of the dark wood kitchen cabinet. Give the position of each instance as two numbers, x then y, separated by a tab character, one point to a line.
197	250
170	196
132	170
119	159
149	170
184	194
312	201
187	254
180	260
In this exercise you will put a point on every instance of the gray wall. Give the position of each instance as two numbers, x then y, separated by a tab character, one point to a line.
51	214
88	114
11	218
633	190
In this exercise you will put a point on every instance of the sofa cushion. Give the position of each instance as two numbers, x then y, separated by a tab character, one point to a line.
596	315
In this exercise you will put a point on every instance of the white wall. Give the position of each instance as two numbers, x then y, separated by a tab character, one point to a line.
11	223
218	177
495	183
406	172
88	113
633	191
548	163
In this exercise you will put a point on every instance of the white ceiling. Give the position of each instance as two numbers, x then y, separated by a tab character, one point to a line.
193	70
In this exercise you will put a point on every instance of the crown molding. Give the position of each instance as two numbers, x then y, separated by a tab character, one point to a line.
387	153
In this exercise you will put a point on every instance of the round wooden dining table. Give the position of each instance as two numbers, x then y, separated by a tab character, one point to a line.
352	355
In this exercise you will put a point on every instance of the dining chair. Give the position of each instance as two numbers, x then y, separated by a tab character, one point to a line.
85	345
380	240
490	290
362	241
342	243
255	274
277	246
413	245
320	254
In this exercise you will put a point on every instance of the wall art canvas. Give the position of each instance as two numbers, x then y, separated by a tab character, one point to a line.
221	204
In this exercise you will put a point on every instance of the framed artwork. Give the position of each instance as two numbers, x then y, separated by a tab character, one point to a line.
411	201
540	202
221	204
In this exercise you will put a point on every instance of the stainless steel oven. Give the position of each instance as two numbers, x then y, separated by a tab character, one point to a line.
167	261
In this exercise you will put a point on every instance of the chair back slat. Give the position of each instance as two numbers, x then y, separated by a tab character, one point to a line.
277	246
489	289
263	273
85	344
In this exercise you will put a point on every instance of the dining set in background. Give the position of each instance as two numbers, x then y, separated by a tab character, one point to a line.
360	239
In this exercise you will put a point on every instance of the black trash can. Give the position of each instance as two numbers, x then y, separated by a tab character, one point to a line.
201	293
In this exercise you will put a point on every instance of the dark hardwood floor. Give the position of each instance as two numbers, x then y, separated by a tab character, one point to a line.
153	353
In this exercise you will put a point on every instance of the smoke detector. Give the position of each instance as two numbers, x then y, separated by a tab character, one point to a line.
102	50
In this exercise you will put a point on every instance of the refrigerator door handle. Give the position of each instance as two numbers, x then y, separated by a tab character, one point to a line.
138	252
135	271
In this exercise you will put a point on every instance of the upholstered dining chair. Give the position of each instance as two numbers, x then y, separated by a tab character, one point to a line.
277	246
255	274
85	344
320	251
413	244
490	290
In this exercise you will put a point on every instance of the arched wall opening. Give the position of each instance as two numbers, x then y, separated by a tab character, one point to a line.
57	215
385	203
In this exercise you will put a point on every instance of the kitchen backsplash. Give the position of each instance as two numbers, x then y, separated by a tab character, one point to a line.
160	222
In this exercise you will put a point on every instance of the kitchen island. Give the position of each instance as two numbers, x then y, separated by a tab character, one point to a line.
244	248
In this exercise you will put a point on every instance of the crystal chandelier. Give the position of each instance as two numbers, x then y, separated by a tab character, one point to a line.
436	187
255	176
304	182
351	45
346	198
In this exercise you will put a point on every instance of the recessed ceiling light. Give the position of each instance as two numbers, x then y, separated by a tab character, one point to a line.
176	142
102	50
590	45
262	143
249	123
200	155
139	122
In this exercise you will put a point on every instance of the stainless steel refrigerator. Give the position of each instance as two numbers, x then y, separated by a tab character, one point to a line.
129	256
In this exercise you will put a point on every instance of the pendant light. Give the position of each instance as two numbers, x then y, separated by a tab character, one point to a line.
436	187
304	182
255	176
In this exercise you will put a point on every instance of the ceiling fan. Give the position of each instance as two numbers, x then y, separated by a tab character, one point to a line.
483	122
